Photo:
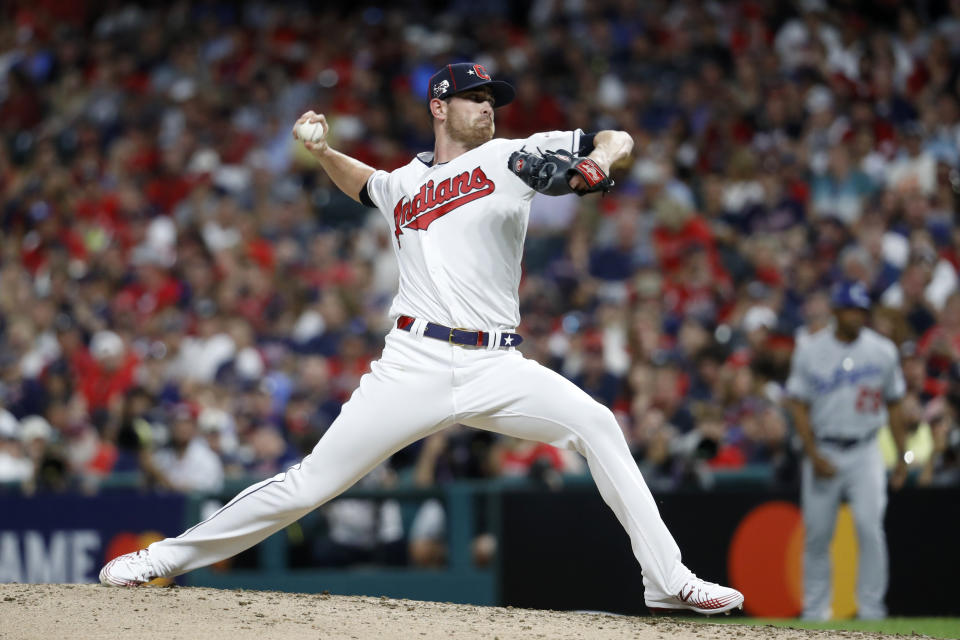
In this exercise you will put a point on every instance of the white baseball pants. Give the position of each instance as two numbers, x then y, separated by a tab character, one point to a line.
860	478
421	385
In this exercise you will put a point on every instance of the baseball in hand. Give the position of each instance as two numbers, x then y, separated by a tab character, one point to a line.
311	131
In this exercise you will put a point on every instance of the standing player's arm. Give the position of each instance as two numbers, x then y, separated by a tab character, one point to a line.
899	431
609	149
801	422
349	174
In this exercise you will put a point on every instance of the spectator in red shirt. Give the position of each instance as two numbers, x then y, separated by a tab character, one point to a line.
680	233
107	376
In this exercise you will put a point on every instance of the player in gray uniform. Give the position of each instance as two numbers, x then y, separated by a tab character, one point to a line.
845	383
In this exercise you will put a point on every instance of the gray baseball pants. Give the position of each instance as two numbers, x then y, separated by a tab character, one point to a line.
861	480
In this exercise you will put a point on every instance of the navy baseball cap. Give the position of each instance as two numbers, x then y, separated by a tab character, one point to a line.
850	295
454	78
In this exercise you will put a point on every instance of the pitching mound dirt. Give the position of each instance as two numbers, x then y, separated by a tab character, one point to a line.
91	611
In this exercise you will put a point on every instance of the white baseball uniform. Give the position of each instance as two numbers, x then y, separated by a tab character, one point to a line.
846	386
458	230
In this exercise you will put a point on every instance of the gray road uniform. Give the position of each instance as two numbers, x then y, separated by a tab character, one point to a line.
847	388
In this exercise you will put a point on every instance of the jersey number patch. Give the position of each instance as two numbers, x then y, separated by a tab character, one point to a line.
869	400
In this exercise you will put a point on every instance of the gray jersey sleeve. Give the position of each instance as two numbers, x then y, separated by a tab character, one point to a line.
798	384
894	386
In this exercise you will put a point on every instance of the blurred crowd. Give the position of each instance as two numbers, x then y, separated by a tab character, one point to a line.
185	297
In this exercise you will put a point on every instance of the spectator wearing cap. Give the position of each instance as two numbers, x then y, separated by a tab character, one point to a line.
15	466
187	464
758	323
35	434
51	469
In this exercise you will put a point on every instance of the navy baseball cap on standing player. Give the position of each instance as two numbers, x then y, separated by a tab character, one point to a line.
850	295
454	78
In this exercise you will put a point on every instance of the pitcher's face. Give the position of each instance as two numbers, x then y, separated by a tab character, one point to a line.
470	117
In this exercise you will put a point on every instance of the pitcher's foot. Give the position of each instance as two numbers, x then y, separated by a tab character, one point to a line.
128	570
699	596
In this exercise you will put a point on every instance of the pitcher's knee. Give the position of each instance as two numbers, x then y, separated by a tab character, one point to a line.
602	427
588	426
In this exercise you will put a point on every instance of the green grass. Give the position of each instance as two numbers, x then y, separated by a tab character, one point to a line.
934	627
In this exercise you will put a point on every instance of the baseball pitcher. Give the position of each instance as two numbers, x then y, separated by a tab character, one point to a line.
458	216
845	383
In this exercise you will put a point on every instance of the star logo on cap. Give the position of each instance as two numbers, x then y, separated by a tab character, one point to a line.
470	72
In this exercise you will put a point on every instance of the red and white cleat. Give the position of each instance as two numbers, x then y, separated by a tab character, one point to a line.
128	570
699	596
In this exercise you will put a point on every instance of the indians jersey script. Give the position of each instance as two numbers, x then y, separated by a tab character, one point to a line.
846	385
458	230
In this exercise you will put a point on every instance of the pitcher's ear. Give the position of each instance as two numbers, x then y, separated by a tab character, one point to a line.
438	108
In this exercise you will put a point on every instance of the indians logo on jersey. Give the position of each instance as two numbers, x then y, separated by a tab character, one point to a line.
435	200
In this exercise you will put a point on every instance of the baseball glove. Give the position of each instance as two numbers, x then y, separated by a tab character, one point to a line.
549	172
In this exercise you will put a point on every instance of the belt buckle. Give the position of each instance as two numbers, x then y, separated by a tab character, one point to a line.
452	329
